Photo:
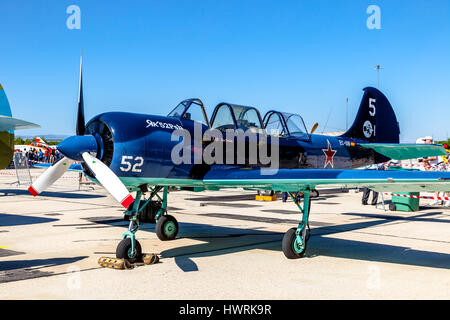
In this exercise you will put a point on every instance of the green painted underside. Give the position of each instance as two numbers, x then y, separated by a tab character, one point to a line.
6	149
423	185
406	151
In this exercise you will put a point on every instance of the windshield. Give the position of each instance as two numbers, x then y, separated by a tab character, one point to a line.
179	109
246	117
295	125
274	125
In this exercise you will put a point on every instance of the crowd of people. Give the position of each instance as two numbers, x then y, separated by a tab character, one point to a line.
43	154
39	155
437	163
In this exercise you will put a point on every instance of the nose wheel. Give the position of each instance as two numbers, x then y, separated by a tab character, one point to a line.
125	250
166	227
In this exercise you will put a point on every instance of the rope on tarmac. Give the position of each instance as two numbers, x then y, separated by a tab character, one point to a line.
416	197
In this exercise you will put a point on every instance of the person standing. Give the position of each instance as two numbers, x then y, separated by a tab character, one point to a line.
366	191
431	164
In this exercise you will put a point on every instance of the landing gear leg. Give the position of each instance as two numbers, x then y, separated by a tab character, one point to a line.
129	248
166	225
296	239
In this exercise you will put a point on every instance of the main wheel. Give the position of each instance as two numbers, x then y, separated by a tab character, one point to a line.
291	249
166	228
123	251
392	206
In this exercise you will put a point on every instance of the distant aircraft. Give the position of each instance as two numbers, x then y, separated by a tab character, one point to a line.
127	152
7	126
39	144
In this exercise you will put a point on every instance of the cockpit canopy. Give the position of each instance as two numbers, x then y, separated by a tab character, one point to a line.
283	124
233	116
190	109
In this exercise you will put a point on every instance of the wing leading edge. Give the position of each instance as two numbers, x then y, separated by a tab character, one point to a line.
303	179
10	123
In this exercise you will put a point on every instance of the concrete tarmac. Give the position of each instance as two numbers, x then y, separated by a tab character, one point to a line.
228	248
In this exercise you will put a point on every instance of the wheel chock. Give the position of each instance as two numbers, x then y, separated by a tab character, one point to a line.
122	264
265	198
114	263
150	258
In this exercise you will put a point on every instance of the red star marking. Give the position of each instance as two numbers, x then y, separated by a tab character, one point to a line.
329	153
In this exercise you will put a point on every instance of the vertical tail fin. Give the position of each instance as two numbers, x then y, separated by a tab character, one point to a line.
5	109
6	137
376	120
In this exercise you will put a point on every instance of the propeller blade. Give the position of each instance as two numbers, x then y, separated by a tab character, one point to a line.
314	127
80	115
108	180
49	176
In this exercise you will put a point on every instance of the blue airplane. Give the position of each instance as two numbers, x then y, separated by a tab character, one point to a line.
128	152
7	126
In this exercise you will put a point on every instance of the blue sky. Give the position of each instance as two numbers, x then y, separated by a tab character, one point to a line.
296	56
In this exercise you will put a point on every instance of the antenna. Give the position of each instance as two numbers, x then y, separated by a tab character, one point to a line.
326	123
346	114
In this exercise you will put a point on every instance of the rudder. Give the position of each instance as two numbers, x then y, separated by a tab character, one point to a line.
376	120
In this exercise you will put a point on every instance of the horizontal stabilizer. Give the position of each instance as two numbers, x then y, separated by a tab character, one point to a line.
406	151
10	123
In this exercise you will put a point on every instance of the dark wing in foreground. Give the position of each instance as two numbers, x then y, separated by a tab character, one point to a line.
304	179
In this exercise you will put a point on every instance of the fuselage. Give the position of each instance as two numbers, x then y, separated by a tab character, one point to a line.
139	149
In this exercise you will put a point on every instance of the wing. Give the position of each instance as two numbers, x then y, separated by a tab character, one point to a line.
406	151
10	123
303	179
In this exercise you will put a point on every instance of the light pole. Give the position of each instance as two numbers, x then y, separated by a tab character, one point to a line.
378	68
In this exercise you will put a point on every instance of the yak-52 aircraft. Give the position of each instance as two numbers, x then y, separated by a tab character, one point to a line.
129	152
7	126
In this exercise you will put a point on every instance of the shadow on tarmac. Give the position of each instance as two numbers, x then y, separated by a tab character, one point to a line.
68	195
421	217
9	220
217	241
28	269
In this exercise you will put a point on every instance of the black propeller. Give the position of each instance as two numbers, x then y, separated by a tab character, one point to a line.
80	115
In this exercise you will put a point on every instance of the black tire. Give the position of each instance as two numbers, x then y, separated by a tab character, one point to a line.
148	214
166	228
315	193
288	245
392	206
124	247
